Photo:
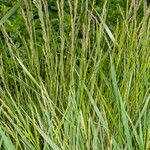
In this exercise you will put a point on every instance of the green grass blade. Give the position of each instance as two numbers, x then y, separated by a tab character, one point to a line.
96	109
145	107
11	11
122	107
47	139
28	73
7	142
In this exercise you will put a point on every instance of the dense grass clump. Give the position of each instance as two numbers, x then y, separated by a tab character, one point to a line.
72	79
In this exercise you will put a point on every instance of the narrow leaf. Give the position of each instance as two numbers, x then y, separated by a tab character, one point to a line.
11	11
7	142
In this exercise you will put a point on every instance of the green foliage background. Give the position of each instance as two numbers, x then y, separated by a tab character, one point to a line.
113	13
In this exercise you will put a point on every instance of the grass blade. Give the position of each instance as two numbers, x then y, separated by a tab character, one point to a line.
11	11
7	142
96	109
48	140
122	107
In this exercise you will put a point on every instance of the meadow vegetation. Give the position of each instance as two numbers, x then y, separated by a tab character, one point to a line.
74	75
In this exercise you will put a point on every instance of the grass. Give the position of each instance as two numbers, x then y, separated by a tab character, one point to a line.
72	82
